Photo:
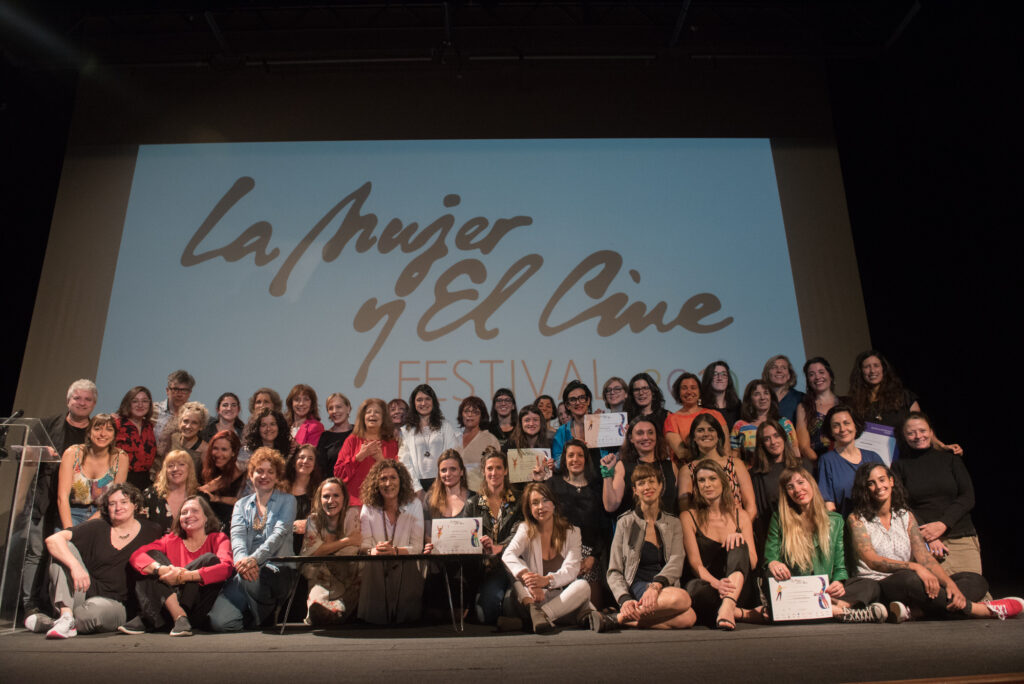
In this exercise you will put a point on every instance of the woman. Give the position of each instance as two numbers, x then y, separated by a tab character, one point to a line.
372	440
836	468
774	453
719	544
577	398
302	477
707	441
892	552
530	434
222	480
88	470
643	444
878	396
264	398
182	572
941	495
805	538
228	408
185	437
575	487
758	406
546	404
339	408
331	530
447	498
646	561
544	557
718	391
563	414
175	482
391	524
475	438
497	505
303	415
135	436
686	390
811	431
398	410
504	415
425	435
645	399
613	392
268	428
261	528
781	378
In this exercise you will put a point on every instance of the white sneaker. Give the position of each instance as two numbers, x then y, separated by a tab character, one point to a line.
63	628
899	612
38	622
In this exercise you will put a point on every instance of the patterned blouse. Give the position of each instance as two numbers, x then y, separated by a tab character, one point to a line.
139	445
891	543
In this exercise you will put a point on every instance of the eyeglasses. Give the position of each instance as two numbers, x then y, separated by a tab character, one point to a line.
504	400
615	389
639	390
470	411
579	399
718	375
179	390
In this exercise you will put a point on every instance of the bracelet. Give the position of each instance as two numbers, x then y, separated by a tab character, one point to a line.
607	472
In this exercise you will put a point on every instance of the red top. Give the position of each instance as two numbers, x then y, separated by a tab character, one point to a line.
353	472
309	432
140	446
173	546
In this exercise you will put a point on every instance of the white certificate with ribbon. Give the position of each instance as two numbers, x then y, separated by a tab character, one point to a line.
522	462
604	429
455	535
878	438
799	598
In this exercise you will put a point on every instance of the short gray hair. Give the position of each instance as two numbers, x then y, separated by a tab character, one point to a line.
85	385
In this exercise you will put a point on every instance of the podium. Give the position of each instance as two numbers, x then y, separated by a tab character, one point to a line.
25	451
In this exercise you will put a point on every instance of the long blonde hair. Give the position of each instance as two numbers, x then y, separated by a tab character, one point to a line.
797	542
191	481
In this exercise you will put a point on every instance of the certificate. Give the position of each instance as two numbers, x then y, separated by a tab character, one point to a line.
879	438
522	462
799	598
455	535
604	429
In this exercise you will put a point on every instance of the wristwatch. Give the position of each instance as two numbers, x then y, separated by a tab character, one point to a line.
156	568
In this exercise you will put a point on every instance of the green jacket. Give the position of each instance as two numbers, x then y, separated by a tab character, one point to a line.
833	565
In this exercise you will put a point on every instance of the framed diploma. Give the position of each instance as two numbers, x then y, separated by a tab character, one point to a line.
799	598
604	429
879	438
455	535
522	462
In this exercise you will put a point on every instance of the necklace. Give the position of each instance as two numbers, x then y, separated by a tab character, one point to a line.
259	521
127	534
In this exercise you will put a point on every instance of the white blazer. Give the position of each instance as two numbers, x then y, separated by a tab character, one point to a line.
412	452
408	528
522	553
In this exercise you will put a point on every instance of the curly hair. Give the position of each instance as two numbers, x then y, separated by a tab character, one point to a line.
369	492
191	481
889	394
283	441
275	399
628	452
387	428
809	398
864	504
300	389
678	382
276	459
125	409
128	489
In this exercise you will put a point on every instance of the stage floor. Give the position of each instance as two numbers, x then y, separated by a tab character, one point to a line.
827	653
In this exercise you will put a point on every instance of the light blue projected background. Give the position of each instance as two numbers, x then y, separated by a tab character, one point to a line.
685	216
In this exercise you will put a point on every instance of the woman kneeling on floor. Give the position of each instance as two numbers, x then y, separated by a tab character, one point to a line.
331	530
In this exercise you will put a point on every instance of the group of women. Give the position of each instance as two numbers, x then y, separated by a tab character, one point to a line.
673	528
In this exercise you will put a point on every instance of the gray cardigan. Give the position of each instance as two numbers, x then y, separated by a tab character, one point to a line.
625	553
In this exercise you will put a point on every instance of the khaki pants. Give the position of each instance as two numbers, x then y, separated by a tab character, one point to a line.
964	556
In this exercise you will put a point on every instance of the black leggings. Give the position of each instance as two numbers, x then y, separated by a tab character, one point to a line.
195	599
705	597
907	588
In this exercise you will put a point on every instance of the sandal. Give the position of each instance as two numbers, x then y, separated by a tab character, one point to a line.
726	624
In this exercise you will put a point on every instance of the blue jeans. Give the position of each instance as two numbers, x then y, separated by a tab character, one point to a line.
491	594
246	605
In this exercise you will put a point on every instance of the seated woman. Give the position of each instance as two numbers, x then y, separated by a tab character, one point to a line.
646	562
228	408
372	440
475	438
805	538
222	480
544	557
183	572
940	494
892	551
774	453
498	507
719	546
331	530
758	406
261	528
707	441
391	524
678	425
643	444
339	408
185	435
175	482
88	574
780	375
303	415
88	470
301	478
836	468
811	432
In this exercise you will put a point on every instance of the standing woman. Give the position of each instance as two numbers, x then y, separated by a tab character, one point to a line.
546	404
812	434
779	374
707	441
228	408
267	428
774	454
686	390
301	478
530	434
261	528
339	408
88	470
575	487
718	391
544	557
372	440
836	468
303	415
577	398
614	394
645	399
643	444
175	482
475	438
331	530
496	503
135	434
758	406
186	434
504	415
222	480
391	523
264	398
398	410
425	435
719	544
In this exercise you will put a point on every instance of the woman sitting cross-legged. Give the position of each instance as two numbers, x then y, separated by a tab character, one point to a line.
646	561
892	551
805	538
183	571
719	546
331	530
544	557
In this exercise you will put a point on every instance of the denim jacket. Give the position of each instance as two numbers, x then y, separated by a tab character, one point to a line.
275	539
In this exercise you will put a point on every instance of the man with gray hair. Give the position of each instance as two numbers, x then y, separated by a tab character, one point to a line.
179	389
